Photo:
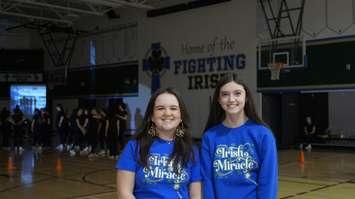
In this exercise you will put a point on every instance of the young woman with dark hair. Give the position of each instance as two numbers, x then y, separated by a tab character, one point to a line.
94	129
122	115
81	124
113	135
61	124
103	134
18	122
160	161
238	153
45	129
35	129
72	133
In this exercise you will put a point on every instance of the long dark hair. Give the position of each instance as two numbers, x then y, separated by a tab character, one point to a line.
217	114
183	147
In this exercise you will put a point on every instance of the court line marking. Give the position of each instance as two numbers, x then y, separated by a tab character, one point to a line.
317	189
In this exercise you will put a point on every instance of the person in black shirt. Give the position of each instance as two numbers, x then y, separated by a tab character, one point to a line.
82	121
61	127
94	129
18	123
5	127
45	130
309	130
122	116
36	129
103	134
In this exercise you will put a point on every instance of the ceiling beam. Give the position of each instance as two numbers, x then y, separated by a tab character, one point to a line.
103	3
134	5
117	3
36	17
60	7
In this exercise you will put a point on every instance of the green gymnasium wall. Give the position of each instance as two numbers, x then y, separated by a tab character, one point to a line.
106	80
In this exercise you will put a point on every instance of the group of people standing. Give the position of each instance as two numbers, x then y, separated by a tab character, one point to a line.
237	157
91	132
15	128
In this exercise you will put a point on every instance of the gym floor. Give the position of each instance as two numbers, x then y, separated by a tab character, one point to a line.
323	174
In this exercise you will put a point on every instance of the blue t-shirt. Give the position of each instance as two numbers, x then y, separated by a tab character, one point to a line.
159	180
239	163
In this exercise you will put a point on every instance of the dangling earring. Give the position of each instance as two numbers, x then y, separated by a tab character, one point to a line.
152	131
180	130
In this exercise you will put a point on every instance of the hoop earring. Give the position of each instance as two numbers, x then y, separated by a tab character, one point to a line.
180	130
152	131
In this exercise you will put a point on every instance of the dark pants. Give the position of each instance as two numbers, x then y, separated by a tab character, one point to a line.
63	135
18	135
113	144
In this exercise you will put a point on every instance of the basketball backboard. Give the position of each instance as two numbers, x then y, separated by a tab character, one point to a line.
290	51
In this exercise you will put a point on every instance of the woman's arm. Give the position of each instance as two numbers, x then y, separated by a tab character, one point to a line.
207	170
125	184
33	125
60	121
99	128
195	190
268	173
313	130
124	116
86	122
107	126
78	123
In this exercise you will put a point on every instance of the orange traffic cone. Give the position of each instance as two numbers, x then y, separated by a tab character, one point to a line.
10	164
58	165
301	156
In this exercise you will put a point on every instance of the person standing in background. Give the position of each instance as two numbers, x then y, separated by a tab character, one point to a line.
82	122
36	130
45	129
94	129
103	134
5	128
18	123
113	135
122	116
309	130
61	126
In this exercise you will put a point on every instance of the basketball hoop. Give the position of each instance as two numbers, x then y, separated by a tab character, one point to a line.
275	69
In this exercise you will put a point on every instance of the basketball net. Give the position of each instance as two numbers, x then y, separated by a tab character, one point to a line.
275	69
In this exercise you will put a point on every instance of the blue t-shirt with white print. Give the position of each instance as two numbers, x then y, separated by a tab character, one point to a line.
239	163
159	180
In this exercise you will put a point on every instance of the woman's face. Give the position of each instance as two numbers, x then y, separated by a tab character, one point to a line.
232	98
166	113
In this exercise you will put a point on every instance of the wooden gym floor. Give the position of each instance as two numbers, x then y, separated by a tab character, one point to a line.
324	175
